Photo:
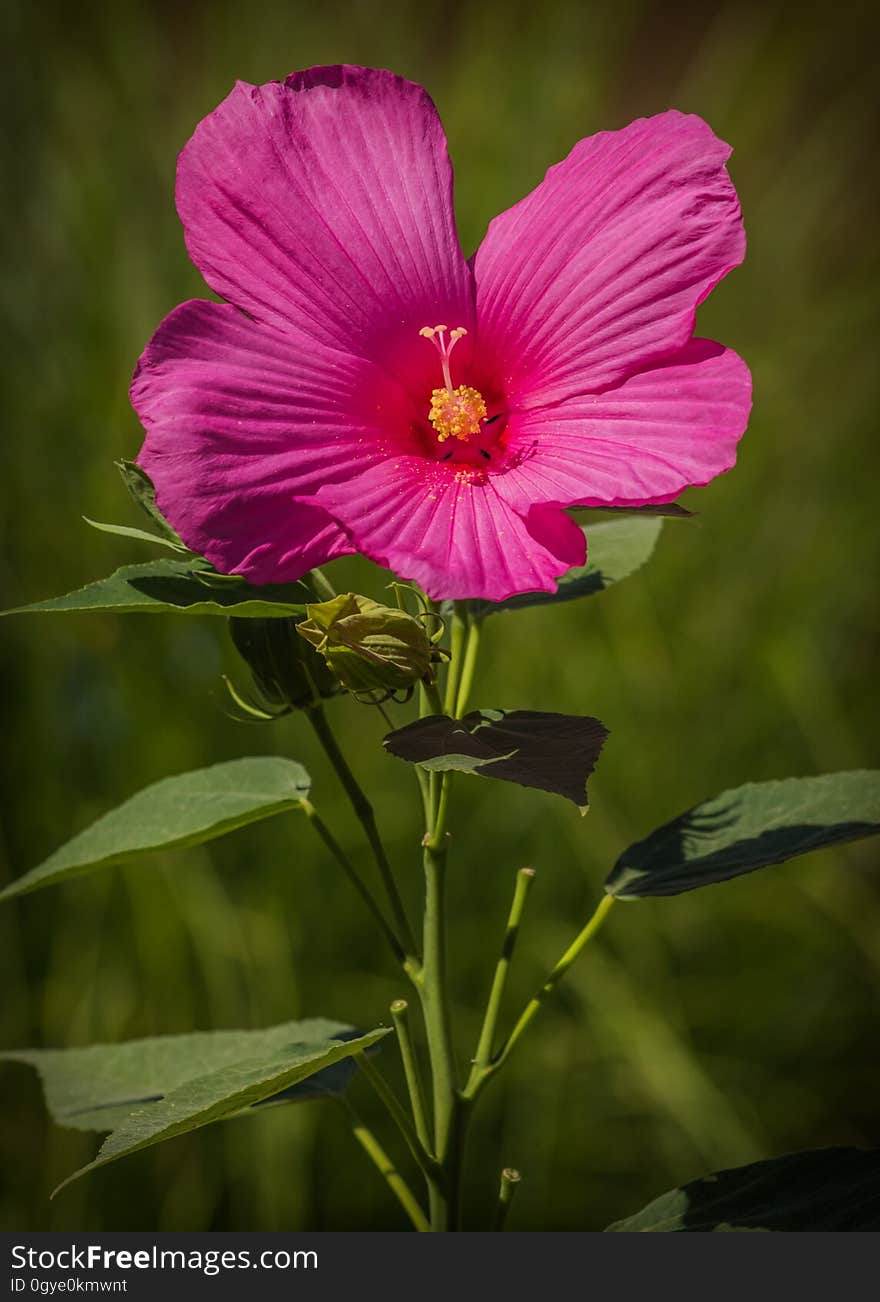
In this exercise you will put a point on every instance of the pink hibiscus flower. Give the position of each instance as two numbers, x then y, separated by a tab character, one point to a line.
368	388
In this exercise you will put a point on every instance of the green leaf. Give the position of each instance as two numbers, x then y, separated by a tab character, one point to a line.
179	811
827	1189
615	549
151	1090
550	752
184	587
97	1087
140	535
143	493
668	510
747	828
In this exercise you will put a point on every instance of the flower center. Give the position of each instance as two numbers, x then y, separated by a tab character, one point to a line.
454	413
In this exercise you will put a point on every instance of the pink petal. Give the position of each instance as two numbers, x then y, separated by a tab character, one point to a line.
326	201
241	419
673	425
600	269
451	532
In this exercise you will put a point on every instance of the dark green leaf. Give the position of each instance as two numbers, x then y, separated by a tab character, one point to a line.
179	811
142	492
828	1189
551	752
747	828
615	549
668	510
184	587
151	1090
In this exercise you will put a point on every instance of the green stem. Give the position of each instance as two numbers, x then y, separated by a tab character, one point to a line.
465	1100
480	1077
427	781
432	987
364	811
470	664
451	1109
354	877
430	982
433	698
509	1183
421	775
456	652
398	1114
409	1058
483	1056
424	792
389	1172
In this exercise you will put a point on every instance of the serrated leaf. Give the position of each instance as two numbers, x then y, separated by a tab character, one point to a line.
615	549
550	752
827	1189
268	1063
184	810
98	1086
180	587
747	828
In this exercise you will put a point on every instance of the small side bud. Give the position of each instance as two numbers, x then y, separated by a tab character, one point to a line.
375	651
287	673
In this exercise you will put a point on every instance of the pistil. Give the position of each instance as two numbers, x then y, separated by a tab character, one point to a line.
454	412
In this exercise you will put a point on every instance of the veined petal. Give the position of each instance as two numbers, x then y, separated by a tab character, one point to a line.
599	271
452	533
673	425
241	419
325	202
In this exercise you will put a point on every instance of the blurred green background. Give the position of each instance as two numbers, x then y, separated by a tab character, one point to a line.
702	1031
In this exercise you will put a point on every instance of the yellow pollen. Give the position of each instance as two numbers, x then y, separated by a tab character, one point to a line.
456	413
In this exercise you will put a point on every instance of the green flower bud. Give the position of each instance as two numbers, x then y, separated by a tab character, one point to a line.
288	673
374	650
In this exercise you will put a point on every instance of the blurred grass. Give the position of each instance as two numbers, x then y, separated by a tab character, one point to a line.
703	1031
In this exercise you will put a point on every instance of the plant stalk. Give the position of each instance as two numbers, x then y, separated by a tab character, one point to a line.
483	1056
430	982
354	877
398	1115
480	1076
412	1074
457	637
364	812
510	1179
470	663
389	1173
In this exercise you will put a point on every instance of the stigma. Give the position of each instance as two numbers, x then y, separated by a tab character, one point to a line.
455	413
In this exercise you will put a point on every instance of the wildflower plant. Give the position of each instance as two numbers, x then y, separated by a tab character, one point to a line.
366	388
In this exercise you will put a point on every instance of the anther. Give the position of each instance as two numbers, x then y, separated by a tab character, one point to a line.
444	347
